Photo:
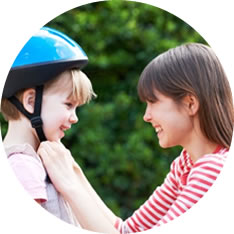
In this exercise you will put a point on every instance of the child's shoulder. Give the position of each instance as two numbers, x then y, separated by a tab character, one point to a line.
20	148
25	162
22	153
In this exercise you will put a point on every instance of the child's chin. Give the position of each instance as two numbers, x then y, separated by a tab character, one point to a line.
60	136
55	138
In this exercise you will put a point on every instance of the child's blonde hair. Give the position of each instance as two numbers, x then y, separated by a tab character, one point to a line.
81	91
194	69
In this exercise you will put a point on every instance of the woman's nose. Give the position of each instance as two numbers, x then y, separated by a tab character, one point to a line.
147	115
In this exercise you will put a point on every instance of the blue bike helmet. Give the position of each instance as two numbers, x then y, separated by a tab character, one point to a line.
47	54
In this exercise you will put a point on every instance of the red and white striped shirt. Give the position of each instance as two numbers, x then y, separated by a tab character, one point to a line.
184	185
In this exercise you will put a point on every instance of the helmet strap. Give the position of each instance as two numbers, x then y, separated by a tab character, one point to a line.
35	117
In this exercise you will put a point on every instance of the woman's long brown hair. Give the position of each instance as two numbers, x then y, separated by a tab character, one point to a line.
193	68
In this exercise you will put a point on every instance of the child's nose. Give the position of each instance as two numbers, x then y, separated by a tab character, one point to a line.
73	118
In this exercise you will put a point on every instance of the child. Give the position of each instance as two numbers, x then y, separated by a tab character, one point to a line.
189	103
40	97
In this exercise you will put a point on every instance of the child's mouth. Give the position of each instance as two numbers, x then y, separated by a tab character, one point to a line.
64	128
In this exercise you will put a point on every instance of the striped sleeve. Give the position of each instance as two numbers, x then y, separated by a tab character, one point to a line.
200	179
152	211
177	194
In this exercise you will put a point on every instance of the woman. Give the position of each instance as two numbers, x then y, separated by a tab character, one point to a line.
189	103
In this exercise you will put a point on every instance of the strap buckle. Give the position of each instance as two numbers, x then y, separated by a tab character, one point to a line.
36	122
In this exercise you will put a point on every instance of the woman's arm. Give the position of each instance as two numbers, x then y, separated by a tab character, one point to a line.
201	177
69	180
88	187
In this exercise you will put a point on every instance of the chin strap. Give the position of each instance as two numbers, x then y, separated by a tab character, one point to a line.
35	117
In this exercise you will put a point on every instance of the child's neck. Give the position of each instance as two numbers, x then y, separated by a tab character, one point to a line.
20	132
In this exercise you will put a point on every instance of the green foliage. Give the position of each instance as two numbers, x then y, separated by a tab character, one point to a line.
118	152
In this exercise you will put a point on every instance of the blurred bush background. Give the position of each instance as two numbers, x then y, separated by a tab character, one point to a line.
117	150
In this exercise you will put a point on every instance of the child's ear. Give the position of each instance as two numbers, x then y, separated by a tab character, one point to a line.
192	104
29	100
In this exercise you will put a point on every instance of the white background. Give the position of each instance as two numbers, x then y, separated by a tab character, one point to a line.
19	20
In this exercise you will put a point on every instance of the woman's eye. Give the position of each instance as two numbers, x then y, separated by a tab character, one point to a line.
152	101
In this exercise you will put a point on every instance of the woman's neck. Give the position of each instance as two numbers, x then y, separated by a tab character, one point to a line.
198	145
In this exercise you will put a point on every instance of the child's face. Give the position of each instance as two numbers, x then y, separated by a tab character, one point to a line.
58	110
172	123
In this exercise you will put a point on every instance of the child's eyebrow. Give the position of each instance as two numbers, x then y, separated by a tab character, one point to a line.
73	100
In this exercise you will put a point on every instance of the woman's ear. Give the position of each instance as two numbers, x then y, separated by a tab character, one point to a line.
29	100
192	104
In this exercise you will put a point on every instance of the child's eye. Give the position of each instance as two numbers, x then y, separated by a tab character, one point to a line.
68	104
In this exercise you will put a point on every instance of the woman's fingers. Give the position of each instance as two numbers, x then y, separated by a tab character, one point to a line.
51	148
42	153
55	153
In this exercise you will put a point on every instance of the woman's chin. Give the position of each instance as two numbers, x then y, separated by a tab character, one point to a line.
165	145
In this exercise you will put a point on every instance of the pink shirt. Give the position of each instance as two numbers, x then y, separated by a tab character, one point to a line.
29	169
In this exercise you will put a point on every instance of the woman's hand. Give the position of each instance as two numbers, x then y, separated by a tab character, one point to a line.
59	164
70	181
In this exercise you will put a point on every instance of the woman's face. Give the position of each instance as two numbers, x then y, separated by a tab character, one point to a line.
171	122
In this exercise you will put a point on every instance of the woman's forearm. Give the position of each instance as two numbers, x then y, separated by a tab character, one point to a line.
101	205
86	208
